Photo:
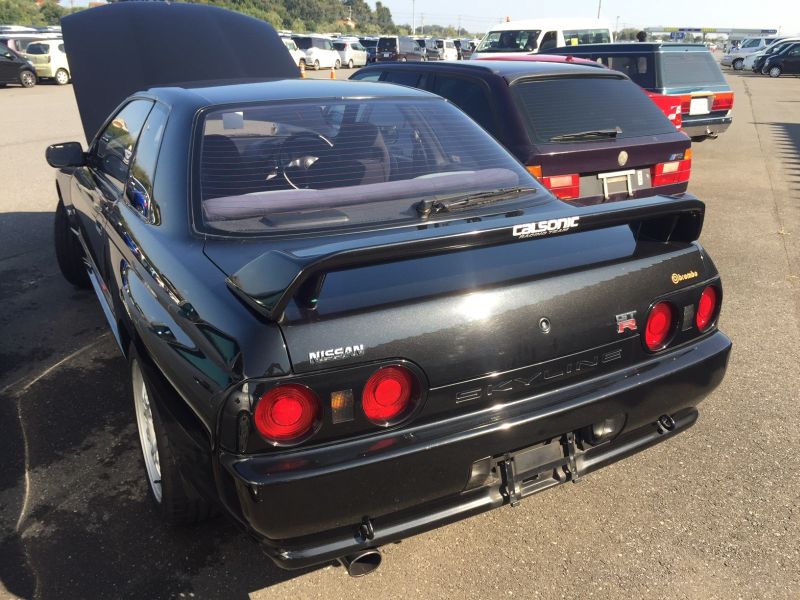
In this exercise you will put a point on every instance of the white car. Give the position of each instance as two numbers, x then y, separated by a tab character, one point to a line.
351	54
735	55
49	59
297	54
319	52
447	49
750	59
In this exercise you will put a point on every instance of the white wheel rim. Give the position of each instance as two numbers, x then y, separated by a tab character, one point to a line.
61	77
147	432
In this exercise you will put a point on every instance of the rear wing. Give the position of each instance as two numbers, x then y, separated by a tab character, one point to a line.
270	282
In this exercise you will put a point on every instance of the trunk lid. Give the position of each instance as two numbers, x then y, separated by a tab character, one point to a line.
463	309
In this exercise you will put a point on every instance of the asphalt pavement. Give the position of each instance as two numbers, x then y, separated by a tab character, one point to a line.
714	513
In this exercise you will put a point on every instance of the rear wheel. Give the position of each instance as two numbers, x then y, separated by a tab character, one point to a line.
350	64
69	252
337	64
62	77
27	79
316	65
775	72
738	64
174	501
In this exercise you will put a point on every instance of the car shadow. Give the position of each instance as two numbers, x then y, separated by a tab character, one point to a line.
787	142
75	517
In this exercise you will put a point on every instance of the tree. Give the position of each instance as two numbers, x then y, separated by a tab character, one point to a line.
51	12
20	12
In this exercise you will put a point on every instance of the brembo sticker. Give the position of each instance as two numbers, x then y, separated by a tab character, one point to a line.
678	277
537	228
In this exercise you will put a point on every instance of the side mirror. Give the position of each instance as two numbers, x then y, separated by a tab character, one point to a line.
68	154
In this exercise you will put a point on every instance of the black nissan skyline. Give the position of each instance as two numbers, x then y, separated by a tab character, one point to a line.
349	314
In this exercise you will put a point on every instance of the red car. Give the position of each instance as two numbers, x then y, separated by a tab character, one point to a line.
669	105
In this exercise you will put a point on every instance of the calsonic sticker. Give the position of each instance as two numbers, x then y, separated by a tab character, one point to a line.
626	321
537	228
678	277
321	356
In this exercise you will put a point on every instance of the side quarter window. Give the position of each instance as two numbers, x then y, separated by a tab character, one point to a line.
139	190
113	149
368	76
408	78
471	96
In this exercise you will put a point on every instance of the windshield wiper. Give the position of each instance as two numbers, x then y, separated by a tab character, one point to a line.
451	202
587	135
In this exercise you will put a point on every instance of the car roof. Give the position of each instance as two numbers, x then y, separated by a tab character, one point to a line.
630	47
510	70
548	24
227	92
552	58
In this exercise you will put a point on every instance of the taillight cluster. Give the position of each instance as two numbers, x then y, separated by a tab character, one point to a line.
676	171
663	319
719	102
566	187
290	413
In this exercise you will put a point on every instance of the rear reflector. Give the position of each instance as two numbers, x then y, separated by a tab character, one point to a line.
535	170
706	308
676	171
565	187
389	395
722	101
287	414
660	326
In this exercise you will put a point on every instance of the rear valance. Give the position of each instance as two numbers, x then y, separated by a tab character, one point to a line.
269	282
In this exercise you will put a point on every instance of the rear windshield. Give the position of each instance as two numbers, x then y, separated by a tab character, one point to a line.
559	107
688	69
510	41
38	49
639	67
324	164
387	45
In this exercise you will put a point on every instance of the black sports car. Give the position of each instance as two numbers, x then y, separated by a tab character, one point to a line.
350	315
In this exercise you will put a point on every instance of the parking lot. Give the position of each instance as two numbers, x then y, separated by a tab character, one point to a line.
713	514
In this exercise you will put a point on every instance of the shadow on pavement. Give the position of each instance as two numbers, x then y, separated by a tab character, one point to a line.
75	518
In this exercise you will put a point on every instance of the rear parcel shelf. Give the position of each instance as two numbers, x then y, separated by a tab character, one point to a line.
269	282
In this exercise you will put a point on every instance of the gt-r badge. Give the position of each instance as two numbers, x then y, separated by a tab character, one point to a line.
622	159
529	230
626	321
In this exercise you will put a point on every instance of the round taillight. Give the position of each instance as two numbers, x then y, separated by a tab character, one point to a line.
706	308
287	413
389	395
660	324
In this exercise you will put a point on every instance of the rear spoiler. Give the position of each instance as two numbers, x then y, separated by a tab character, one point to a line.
270	282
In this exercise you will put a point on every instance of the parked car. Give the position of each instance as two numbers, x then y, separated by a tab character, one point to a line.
465	49
786	62
370	45
50	60
319	51
588	133
541	35
399	48
19	42
735	56
297	55
351	54
687	72
15	69
343	332
446	48
751	59
428	45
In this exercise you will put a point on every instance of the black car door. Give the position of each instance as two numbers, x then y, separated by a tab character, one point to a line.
99	185
9	67
791	64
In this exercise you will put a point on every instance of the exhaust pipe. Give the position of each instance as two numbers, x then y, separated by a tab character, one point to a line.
362	563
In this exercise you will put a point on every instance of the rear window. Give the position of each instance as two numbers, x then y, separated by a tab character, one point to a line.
299	166
558	107
38	49
689	69
339	45
639	67
387	45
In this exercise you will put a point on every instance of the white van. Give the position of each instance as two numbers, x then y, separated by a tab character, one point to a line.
540	35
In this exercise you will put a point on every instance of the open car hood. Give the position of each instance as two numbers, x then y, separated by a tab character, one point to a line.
125	47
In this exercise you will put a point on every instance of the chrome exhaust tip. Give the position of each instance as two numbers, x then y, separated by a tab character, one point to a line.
362	563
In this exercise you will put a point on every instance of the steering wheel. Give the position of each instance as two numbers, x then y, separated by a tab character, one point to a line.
297	153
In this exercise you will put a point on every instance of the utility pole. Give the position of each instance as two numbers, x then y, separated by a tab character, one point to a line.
459	26
599	6
413	18
422	24
616	27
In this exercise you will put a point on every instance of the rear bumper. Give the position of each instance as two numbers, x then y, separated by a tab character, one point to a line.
306	507
710	125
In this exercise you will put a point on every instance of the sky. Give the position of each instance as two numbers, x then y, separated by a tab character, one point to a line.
478	15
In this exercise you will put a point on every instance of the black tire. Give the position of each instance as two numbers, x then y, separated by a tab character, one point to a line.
61	77
178	503
316	65
774	72
338	64
27	79
69	252
738	64
350	64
